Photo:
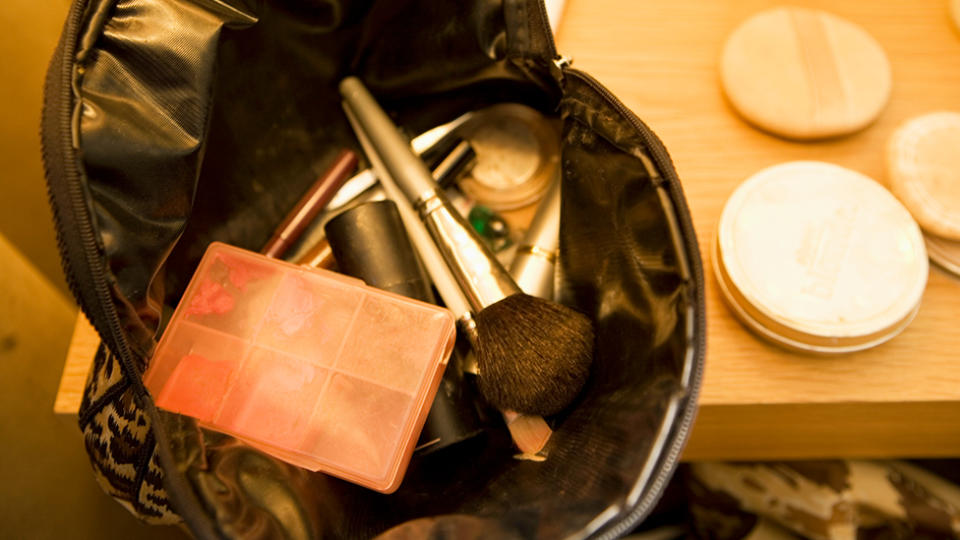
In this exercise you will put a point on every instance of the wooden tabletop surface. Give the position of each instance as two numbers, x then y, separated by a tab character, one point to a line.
758	401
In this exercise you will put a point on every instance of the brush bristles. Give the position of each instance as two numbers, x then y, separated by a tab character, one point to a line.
533	355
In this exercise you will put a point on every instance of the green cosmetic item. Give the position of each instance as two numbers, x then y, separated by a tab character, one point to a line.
491	227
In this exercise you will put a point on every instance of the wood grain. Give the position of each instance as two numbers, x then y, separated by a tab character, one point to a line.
825	430
83	347
757	401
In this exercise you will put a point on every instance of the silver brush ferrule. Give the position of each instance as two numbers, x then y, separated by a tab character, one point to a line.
480	276
533	270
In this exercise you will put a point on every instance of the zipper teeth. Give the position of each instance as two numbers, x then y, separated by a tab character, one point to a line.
73	217
545	21
63	124
79	212
665	164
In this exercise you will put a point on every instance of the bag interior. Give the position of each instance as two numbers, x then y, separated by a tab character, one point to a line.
205	120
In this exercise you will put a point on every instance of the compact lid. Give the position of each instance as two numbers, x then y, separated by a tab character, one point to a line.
804	73
311	366
923	162
819	258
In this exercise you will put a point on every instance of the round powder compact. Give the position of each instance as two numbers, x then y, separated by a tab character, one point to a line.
518	156
804	74
946	253
818	258
923	168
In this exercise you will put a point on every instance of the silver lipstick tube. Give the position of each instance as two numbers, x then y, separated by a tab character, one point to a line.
534	264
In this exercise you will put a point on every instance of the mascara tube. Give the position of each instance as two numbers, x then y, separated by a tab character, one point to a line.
310	205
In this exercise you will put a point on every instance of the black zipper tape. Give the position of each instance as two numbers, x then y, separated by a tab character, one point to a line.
81	255
669	461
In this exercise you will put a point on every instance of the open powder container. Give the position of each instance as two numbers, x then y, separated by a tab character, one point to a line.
923	171
518	155
818	258
310	366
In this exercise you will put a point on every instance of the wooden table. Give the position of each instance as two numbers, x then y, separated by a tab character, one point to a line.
757	401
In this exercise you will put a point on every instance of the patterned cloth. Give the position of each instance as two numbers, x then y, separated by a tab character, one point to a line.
120	443
823	500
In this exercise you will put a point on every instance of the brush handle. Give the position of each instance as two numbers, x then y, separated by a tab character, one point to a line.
427	142
476	270
532	432
481	277
430	256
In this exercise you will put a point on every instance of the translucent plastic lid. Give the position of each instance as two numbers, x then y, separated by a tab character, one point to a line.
311	366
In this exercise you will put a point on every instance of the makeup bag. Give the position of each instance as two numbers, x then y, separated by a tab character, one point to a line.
169	124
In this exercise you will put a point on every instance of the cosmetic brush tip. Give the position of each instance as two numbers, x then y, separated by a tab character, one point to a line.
533	355
530	432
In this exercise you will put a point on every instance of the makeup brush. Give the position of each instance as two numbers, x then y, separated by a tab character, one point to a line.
445	173
440	146
534	355
530	433
533	269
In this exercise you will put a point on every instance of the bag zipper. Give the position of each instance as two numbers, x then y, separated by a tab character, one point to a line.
71	213
667	172
545	28
80	252
78	285
559	68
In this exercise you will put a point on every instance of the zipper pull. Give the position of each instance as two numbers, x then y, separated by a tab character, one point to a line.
557	66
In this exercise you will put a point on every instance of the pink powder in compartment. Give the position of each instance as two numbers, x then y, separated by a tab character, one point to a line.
308	321
358	425
196	386
242	272
386	344
272	398
210	297
231	294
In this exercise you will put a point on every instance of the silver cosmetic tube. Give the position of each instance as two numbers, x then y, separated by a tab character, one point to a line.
535	261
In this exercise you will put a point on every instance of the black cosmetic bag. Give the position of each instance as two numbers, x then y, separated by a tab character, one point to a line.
169	124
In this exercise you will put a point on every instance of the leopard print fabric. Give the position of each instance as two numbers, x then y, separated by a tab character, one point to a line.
120	443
